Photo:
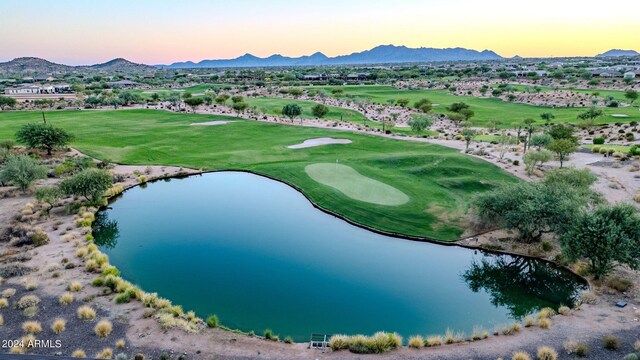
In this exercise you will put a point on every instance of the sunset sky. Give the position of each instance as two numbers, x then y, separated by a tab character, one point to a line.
158	32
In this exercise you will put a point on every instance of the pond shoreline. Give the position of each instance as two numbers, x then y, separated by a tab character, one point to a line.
456	243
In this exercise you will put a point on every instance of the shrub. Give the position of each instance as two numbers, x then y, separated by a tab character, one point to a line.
434	341
78	353
97	282
91	265
288	340
27	301
58	326
598	141
103	328
547	246
66	298
268	334
546	313
611	342
547	353
212	321
359	344
544	323
81	252
564	310
339	342
110	270
31	327
3	303
22	171
582	350
90	184
416	342
619	284
106	353
529	321
122	298
120	344
588	297
86	313
75	286
520	355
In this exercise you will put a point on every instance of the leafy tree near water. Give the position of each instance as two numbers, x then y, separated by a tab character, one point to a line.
90	184
608	236
48	195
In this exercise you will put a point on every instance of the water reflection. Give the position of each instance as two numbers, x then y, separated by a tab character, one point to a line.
105	231
522	284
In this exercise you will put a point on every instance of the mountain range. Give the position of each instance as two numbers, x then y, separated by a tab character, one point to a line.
40	66
383	54
618	52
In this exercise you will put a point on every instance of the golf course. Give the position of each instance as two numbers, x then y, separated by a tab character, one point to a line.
487	110
396	186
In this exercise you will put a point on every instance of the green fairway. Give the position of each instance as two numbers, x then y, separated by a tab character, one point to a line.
617	148
438	181
356	186
487	110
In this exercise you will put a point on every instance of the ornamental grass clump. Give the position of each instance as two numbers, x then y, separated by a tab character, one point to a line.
544	323
547	353
27	301
520	355
435	340
58	326
66	298
86	313
416	342
338	342
31	327
103	328
75	286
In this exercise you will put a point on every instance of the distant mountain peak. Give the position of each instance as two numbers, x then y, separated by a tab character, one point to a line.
618	52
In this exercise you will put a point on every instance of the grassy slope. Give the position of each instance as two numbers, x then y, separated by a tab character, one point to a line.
486	109
438	180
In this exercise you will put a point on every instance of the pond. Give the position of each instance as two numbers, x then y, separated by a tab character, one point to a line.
255	252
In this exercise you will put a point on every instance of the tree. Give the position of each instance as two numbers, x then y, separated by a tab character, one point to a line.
590	115
45	136
456	118
22	171
240	106
458	107
547	117
630	95
423	105
194	102
7	102
529	126
402	102
532	158
558	132
540	140
155	96
48	195
90	184
420	122
127	97
236	99
468	134
563	148
292	111
319	111
222	98
608	236
535	208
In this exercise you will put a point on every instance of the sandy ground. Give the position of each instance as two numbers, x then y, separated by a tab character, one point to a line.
319	142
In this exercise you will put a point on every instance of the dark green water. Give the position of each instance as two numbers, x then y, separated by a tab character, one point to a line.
259	255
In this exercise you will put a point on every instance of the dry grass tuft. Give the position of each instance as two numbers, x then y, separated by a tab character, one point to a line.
82	252
7	293
416	342
106	353
79	354
75	286
434	341
103	328
547	353
520	355
66	298
120	344
27	301
564	310
86	313
31	327
544	323
58	326
3	303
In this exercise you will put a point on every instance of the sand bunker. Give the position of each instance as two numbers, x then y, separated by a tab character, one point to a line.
319	142
620	115
355	185
212	123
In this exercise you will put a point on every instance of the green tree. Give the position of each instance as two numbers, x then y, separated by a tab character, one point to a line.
292	111
240	106
222	98
7	102
423	105
468	135
458	107
419	122
529	125
127	97
22	171
533	158
45	136
630	95
319	111
532	208
194	102
48	195
236	99
90	184
563	148
547	117
608	236
540	140
591	115
558	132
402	102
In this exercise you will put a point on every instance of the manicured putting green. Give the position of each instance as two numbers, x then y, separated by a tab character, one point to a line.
355	185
